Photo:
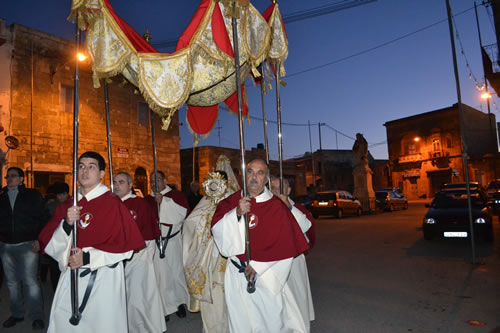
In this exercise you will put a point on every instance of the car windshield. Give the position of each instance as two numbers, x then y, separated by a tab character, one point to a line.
380	195
456	200
325	196
494	185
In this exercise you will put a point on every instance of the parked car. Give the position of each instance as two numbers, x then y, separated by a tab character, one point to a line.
394	189
460	186
337	203
390	200
306	200
493	192
448	216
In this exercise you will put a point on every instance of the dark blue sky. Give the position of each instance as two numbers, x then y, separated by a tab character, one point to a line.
411	75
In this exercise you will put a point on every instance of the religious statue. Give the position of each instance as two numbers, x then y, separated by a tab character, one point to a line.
360	150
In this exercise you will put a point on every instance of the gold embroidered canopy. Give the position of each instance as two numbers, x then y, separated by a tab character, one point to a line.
200	72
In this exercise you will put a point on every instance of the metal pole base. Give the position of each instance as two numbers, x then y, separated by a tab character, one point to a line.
75	319
251	287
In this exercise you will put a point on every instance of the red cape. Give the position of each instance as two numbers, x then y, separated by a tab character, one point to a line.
105	224
311	233
145	217
275	235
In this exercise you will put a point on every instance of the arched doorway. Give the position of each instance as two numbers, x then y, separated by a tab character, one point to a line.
141	180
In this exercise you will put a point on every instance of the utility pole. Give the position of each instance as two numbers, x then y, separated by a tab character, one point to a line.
312	156
462	131
493	134
319	130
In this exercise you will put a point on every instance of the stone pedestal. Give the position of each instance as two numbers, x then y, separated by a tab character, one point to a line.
363	188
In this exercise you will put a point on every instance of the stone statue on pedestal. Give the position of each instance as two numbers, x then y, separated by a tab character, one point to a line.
363	188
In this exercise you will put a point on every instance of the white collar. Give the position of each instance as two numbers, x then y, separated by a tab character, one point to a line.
264	196
129	195
163	192
97	191
292	203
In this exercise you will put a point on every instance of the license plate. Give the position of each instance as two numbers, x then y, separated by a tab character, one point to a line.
323	203
455	234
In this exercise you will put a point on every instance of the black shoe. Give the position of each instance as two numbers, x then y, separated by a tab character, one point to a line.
12	321
38	324
181	311
167	318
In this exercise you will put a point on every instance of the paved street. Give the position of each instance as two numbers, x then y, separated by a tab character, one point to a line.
375	273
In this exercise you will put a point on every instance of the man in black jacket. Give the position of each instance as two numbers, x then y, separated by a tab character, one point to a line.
22	217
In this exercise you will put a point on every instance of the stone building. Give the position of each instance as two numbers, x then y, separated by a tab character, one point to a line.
333	169
425	150
36	107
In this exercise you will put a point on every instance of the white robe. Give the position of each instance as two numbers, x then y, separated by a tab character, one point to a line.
298	280
169	270
272	307
106	310
204	269
144	306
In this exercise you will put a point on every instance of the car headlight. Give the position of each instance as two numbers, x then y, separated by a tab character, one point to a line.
497	201
480	220
429	220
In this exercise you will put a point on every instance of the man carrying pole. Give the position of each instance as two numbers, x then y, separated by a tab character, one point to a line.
144	306
107	235
173	209
276	240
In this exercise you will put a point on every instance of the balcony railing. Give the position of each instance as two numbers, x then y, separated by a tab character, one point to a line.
410	158
492	52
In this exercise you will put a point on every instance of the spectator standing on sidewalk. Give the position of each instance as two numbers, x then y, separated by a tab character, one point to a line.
22	217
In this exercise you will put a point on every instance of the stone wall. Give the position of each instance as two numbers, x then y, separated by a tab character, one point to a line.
51	133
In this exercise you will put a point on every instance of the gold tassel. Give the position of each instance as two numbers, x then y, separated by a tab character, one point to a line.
283	83
255	72
95	79
282	69
197	139
166	121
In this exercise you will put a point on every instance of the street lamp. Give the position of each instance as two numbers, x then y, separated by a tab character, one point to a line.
81	56
416	139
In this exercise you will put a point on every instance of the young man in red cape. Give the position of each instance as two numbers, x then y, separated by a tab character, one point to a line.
144	306
172	207
107	235
275	239
298	280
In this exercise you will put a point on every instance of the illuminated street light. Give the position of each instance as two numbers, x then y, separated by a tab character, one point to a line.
486	95
416	139
81	57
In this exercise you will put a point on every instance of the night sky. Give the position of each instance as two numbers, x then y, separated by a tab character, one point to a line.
353	69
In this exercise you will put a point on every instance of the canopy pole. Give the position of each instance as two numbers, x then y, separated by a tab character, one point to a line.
75	311
108	132
251	284
264	118
462	133
280	132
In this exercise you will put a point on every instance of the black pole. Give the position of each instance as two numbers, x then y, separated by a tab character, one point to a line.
75	311
312	157
108	132
492	132
462	131
251	284
280	130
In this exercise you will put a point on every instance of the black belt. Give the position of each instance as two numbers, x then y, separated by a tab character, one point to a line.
162	242
90	285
